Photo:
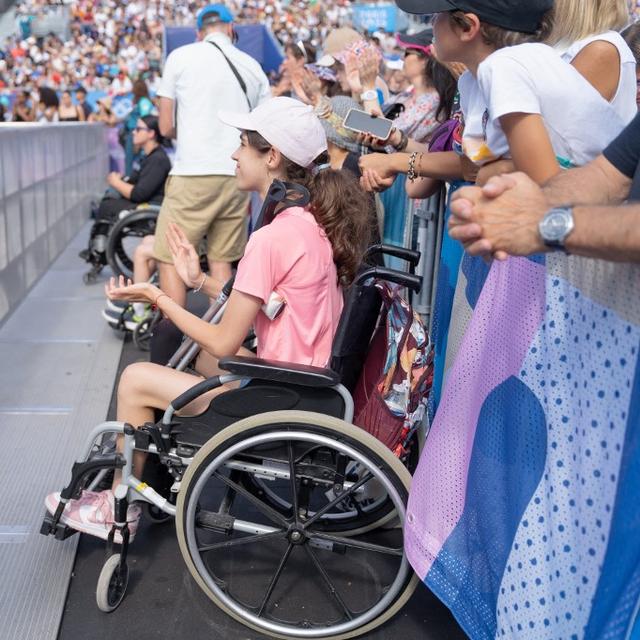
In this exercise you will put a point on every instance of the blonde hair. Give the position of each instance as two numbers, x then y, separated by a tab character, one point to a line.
574	20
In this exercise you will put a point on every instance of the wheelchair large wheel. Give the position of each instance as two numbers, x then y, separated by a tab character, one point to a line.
125	236
285	575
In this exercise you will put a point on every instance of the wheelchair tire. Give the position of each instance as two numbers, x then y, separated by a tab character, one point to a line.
112	584
137	224
306	436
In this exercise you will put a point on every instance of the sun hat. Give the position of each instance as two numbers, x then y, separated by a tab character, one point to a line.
333	125
219	10
324	73
336	41
524	16
289	125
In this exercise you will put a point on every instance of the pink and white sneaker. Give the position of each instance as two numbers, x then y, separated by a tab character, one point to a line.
92	513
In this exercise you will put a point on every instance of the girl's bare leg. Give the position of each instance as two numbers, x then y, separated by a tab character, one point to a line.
144	387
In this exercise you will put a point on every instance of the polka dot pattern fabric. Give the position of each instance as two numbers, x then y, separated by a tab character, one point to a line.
562	539
522	514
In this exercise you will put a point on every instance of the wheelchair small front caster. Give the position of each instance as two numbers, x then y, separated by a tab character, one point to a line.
112	584
143	331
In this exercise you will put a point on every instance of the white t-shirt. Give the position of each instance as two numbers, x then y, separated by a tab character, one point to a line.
201	82
624	101
532	78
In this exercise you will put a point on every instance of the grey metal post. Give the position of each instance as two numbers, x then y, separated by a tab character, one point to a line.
429	214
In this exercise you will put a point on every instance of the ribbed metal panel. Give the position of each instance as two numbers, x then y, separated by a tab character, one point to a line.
59	361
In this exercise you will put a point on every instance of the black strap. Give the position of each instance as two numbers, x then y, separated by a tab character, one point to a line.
239	78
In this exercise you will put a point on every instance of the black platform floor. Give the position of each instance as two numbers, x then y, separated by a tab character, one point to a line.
163	601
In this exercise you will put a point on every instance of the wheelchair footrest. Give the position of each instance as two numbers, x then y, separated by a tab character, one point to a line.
58	530
218	522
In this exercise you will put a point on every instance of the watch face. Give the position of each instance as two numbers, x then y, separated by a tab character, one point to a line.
556	226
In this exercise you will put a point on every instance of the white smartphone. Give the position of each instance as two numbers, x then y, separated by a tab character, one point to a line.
363	122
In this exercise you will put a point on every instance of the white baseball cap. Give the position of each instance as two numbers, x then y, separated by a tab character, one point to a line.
289	125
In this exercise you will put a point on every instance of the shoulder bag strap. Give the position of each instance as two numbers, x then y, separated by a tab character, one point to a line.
236	73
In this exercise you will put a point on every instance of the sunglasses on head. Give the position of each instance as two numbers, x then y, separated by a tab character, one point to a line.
422	52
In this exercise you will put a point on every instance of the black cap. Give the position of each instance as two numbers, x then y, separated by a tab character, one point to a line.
420	41
515	15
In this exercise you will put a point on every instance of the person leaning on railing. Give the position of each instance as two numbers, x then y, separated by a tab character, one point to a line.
591	211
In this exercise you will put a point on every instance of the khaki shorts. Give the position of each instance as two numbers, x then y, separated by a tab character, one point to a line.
202	206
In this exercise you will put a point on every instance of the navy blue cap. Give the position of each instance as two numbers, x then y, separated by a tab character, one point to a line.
219	10
515	15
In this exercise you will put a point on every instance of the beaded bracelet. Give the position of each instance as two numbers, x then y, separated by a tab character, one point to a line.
411	174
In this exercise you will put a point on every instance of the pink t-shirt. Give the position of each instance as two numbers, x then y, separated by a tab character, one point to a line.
293	257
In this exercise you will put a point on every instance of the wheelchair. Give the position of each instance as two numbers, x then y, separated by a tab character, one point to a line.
288	516
113	244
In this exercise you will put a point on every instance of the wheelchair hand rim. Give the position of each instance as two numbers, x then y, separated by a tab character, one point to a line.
278	436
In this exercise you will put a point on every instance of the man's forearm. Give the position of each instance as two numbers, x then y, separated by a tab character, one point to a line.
609	233
597	183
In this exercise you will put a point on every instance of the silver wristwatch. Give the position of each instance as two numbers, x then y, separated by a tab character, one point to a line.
556	225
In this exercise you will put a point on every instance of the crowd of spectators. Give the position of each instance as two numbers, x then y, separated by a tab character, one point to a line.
486	102
110	42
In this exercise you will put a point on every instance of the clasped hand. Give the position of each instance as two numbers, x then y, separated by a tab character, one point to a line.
499	219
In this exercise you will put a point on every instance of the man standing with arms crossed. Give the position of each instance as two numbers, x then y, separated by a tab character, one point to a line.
201	195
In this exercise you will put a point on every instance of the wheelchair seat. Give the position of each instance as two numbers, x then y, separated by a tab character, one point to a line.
258	396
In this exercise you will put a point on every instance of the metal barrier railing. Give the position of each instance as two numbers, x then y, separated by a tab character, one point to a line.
426	238
48	175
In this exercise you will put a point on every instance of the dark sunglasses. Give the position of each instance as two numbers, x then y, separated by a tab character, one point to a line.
415	52
141	129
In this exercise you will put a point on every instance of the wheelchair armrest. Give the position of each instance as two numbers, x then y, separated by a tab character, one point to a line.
195	392
276	371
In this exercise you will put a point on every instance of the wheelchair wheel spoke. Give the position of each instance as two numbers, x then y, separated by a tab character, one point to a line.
325	578
357	544
276	577
292	480
258	537
265	509
318	514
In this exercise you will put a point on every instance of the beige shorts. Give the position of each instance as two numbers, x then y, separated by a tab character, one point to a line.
202	206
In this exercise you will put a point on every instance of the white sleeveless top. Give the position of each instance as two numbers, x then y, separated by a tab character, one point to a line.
624	101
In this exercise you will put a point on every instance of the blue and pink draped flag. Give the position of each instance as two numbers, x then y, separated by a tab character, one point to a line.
524	515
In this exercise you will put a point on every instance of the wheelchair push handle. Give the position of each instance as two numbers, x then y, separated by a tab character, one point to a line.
390	275
409	255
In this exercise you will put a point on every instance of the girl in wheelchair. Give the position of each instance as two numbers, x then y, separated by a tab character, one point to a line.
305	255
